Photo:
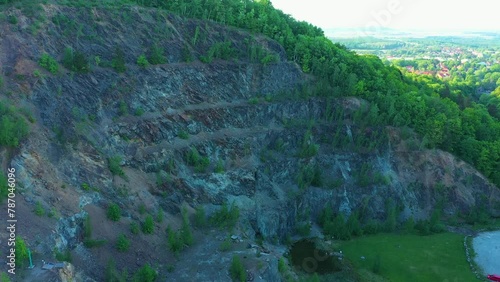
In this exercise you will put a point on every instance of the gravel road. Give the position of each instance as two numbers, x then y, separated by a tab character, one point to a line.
487	248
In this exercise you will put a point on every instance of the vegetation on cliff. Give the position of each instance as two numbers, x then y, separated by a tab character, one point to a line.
415	101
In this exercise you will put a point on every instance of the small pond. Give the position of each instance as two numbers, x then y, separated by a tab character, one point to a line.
307	257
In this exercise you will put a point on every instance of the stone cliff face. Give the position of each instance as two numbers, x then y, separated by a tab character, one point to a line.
247	118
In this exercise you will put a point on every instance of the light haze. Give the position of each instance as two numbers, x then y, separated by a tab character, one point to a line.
429	15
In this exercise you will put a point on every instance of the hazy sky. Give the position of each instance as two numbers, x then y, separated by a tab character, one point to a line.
400	14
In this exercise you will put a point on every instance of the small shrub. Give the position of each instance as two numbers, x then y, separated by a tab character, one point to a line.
194	159
142	61
111	274
438	228
156	55
304	229
187	235
309	175
205	59
114	165
114	212
52	213
142	209
309	150
21	252
363	176
148	225
122	108
39	210
12	19
200	219
28	114
163	177
237	270
159	216
372	227
87	228
219	168
282	265
122	243
269	59
139	112
186	55
226	217
334	183
75	61
49	63
226	245
423	227
63	256
134	228
145	274
4	277
118	62
183	135
85	187
222	50
13	127
175	243
4	188
253	100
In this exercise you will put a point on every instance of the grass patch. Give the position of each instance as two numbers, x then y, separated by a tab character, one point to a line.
411	257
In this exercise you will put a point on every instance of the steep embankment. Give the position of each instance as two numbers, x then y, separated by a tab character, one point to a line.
240	128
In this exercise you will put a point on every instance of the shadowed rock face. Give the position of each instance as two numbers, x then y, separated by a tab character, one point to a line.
242	116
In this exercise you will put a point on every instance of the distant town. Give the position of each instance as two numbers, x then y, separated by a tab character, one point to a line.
472	61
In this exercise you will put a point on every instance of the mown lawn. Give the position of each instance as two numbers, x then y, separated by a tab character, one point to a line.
439	257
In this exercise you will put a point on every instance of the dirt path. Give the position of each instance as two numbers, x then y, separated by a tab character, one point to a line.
487	248
179	143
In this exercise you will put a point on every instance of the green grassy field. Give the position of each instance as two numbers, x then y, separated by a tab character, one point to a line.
439	257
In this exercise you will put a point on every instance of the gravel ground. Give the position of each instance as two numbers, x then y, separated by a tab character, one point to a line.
487	248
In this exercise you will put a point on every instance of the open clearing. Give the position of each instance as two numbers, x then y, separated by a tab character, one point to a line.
439	257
